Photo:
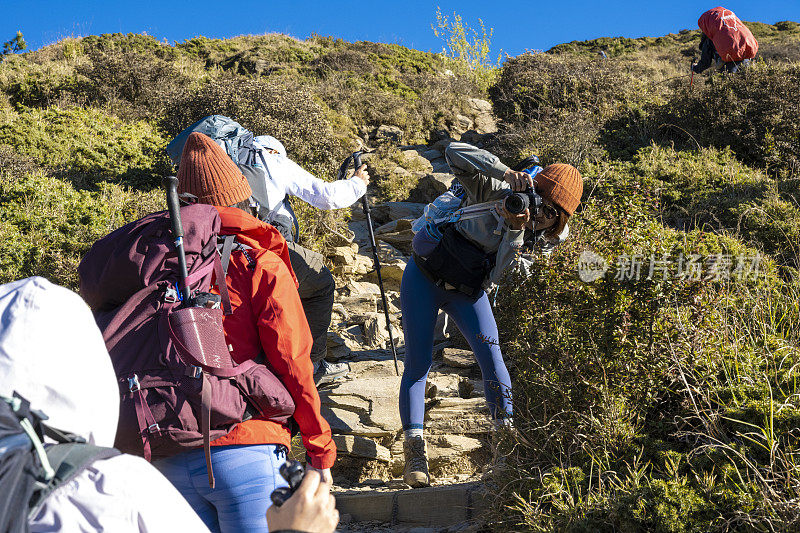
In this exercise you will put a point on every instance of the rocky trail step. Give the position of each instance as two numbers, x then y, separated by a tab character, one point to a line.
442	508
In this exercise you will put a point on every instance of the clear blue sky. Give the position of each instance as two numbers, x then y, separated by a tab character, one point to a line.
518	25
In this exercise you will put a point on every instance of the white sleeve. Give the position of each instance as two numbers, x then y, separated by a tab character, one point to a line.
120	494
319	193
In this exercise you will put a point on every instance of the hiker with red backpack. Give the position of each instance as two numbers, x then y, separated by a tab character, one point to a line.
210	372
725	39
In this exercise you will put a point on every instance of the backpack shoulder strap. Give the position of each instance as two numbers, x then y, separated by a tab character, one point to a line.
225	253
68	460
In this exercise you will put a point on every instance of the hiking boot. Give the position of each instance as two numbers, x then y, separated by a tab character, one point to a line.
327	372
415	473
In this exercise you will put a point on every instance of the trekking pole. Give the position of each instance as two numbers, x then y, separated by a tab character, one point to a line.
691	78
170	184
356	159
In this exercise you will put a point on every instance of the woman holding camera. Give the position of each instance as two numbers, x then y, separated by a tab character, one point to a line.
451	273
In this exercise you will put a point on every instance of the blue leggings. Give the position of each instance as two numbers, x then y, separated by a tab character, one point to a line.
420	301
245	477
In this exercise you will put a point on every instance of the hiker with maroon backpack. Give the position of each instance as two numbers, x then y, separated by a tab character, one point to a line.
248	382
725	39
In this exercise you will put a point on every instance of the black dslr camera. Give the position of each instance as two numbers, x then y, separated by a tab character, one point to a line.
293	472
517	202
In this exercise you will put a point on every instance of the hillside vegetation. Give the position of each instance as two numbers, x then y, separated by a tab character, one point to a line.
665	403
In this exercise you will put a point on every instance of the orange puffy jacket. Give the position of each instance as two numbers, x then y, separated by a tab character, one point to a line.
268	318
732	39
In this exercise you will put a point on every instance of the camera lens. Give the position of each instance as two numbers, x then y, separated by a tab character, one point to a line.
516	203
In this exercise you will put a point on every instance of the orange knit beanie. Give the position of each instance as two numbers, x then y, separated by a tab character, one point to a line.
562	184
207	172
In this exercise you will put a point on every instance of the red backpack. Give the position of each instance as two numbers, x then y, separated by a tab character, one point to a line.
732	39
179	387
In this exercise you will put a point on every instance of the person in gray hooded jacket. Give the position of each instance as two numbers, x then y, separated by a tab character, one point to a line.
455	261
53	355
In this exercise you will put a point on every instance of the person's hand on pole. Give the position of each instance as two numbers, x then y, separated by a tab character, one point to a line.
362	174
513	221
518	180
311	508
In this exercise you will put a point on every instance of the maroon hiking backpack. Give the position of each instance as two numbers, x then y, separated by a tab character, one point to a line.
179	387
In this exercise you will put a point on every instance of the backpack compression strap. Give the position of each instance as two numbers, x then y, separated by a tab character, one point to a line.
68	460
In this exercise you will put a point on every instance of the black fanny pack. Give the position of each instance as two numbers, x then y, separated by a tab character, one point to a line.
456	263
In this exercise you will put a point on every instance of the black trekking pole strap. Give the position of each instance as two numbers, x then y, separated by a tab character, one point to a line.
356	158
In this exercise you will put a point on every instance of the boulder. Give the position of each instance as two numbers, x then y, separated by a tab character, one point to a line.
347	422
360	231
485	123
431	154
442	144
356	446
388	211
359	288
359	304
430	186
375	383
343	255
343	401
393	226
399	239
457	415
384	134
391	272
375	332
481	112
413	160
440	166
463	123
337	346
458	358
388	253
472	137
449	448
478	105
360	265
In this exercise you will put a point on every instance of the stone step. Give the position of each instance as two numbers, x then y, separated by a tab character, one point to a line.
442	505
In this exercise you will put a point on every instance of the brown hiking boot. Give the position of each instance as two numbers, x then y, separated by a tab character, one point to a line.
416	470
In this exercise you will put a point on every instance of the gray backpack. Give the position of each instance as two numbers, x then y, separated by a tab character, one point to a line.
30	471
238	144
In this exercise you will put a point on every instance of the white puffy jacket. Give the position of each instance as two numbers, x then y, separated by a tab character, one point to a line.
52	353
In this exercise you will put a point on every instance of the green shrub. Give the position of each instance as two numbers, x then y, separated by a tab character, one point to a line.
556	106
281	108
46	225
632	397
754	112
709	189
88	146
131	83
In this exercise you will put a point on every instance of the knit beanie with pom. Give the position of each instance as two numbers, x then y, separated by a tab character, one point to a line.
208	173
562	184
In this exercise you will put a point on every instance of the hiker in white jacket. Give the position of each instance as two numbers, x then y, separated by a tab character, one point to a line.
286	178
52	354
